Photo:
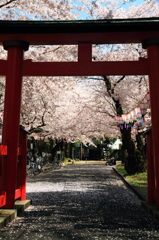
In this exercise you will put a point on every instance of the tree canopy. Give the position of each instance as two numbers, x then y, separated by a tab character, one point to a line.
78	108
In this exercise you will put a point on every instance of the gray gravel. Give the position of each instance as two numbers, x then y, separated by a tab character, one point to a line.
82	202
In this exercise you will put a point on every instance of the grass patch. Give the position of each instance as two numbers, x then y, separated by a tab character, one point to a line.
121	169
139	181
140	178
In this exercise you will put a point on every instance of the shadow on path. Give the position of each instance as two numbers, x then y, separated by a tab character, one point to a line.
82	202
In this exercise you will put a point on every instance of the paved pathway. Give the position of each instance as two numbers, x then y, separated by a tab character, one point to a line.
82	202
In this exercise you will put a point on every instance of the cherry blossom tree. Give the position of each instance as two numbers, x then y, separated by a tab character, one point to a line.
78	108
123	93
36	10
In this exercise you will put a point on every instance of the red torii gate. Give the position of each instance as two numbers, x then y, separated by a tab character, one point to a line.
16	36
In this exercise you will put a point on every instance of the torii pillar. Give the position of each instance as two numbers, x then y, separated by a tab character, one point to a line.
10	134
152	46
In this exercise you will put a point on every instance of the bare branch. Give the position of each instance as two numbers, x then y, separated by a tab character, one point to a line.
7	3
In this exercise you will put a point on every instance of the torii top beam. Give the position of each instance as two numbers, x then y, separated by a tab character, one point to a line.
72	32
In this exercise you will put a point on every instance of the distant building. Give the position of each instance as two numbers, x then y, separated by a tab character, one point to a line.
117	144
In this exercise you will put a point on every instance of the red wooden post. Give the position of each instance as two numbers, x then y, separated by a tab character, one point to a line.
150	167
10	134
85	52
23	159
152	46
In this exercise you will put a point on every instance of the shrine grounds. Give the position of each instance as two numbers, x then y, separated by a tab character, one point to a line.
82	202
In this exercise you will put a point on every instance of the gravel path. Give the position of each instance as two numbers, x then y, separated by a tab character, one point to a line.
81	202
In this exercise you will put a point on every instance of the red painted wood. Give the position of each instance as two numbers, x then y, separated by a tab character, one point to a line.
17	194
3	150
22	163
153	55
3	199
150	168
75	38
19	151
140	67
88	68
12	118
85	52
3	169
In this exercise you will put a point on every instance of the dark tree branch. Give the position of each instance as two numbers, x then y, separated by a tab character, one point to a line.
110	91
122	78
7	3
